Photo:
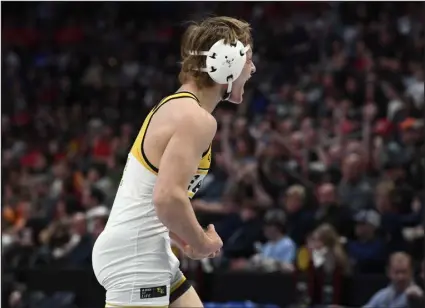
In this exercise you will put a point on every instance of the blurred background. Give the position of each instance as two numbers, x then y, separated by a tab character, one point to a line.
317	179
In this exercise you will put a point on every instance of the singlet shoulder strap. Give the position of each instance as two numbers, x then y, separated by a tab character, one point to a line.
171	97
138	147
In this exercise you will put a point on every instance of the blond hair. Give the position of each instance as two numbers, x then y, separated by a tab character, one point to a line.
330	238
296	190
201	36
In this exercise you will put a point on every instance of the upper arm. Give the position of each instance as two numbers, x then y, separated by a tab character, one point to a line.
194	132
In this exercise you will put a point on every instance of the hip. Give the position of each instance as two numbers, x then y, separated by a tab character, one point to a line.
124	251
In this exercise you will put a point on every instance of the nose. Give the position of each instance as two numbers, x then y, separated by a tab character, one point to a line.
253	68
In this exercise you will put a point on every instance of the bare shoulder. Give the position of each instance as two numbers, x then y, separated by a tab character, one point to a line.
194	120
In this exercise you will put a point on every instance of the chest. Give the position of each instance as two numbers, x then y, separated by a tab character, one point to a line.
202	171
369	251
272	250
394	300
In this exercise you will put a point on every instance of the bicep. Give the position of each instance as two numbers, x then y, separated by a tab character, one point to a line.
182	154
178	163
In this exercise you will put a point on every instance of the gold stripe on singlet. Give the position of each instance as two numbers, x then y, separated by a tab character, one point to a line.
137	148
177	284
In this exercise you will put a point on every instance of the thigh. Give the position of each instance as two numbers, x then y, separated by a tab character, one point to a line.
188	299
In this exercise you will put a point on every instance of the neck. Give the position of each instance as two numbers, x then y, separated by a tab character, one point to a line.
208	98
277	237
401	288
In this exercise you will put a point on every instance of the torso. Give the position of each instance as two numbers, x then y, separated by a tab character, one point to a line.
133	206
135	246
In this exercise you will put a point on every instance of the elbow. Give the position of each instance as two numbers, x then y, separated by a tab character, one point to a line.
162	203
165	201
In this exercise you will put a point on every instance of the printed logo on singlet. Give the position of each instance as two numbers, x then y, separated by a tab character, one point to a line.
195	184
153	292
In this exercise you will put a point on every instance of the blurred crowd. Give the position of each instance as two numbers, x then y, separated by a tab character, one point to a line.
324	160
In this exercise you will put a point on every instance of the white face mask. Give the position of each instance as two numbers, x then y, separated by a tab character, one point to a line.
319	256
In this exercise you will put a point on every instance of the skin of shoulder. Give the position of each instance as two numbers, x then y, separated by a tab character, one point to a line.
200	118
188	116
182	114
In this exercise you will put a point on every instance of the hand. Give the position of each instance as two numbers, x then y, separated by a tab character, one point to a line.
250	173
214	241
243	172
211	248
414	291
183	246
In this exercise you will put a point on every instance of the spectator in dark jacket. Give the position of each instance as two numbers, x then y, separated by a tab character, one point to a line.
331	211
299	218
77	251
368	250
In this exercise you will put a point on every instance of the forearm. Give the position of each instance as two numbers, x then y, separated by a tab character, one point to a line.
323	157
177	240
261	196
177	214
